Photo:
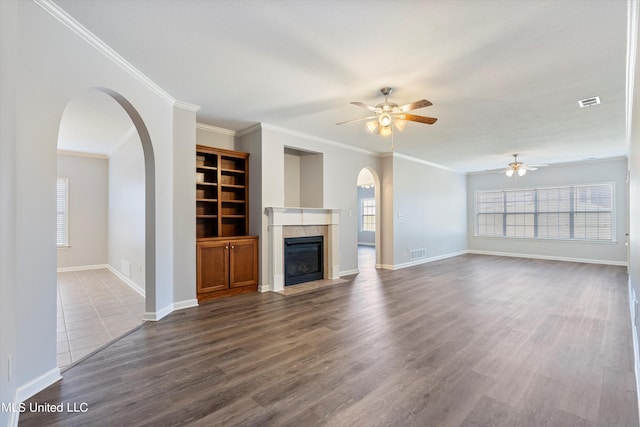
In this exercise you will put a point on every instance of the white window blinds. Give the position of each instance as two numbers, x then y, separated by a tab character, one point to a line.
584	212
368	215
62	203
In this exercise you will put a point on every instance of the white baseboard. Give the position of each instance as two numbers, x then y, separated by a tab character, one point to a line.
126	280
634	332
29	389
82	268
419	261
154	316
550	258
264	288
348	272
181	305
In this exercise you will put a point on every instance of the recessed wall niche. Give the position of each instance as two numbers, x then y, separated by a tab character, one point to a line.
303	178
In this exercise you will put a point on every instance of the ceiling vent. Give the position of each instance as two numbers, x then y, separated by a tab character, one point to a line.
588	102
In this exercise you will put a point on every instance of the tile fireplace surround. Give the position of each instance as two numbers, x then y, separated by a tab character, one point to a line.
300	222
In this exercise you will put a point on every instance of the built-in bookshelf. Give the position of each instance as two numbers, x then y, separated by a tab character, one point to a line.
221	193
226	257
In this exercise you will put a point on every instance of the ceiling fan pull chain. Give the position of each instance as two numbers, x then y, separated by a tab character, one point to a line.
392	132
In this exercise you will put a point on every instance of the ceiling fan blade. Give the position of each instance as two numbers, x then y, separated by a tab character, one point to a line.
530	168
363	105
420	119
357	120
415	105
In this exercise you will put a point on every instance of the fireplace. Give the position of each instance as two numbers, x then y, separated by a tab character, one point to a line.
303	259
286	223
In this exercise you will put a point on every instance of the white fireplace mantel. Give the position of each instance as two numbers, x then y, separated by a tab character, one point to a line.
280	217
302	216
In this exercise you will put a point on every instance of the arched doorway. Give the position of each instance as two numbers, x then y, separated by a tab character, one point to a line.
368	188
106	261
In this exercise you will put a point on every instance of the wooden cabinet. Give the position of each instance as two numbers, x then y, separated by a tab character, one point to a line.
227	258
226	266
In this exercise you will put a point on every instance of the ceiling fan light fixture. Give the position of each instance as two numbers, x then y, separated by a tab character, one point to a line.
384	119
372	125
387	115
400	124
385	130
509	172
522	172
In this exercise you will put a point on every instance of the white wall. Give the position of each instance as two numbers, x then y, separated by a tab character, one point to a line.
126	211
291	179
87	215
11	300
38	49
252	143
184	196
215	137
387	223
429	205
634	193
611	170
311	180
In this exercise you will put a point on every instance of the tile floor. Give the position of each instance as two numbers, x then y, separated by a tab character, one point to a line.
94	307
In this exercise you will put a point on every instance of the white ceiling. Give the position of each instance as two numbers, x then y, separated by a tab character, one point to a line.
94	123
504	76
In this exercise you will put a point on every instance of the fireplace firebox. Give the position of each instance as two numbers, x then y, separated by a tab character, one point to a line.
303	259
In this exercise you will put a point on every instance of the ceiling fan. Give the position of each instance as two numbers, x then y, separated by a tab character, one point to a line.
519	167
388	114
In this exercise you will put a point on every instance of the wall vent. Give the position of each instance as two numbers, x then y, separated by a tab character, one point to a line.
417	254
588	102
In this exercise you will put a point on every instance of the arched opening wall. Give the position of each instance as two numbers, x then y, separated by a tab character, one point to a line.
47	59
369	188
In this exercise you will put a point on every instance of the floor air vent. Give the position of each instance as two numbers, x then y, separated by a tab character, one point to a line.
417	254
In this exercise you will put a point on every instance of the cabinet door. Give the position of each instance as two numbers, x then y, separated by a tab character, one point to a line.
212	266
243	262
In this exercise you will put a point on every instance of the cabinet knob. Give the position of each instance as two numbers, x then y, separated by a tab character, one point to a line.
226	247
233	247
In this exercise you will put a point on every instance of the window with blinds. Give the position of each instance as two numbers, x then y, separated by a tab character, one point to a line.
583	212
368	209
62	203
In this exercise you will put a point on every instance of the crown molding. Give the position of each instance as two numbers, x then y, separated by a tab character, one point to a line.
186	106
317	139
215	129
83	154
247	131
259	126
69	22
425	162
560	164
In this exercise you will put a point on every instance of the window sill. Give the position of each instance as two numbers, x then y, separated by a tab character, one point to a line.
537	239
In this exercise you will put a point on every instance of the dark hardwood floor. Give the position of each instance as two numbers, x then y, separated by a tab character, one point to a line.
467	341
